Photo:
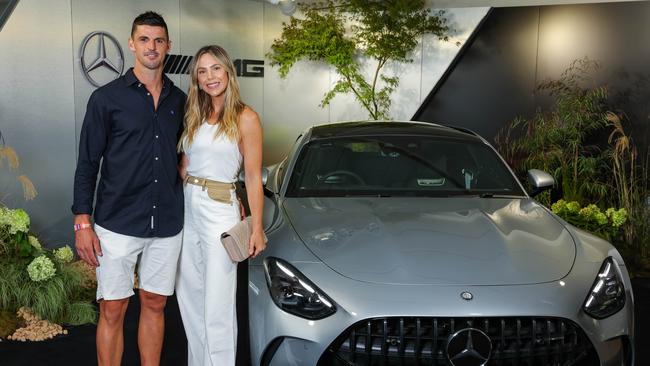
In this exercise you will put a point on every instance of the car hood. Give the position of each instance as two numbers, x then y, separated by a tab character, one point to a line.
458	240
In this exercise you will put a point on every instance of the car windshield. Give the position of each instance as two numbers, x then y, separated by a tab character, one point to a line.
400	166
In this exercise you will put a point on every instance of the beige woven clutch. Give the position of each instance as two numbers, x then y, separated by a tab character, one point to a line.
236	240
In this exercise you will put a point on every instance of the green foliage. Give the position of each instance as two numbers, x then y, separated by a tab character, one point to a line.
41	269
14	240
40	279
64	254
385	31
607	225
563	141
557	140
81	313
57	299
630	181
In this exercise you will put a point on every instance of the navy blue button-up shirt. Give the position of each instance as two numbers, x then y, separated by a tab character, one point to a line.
140	192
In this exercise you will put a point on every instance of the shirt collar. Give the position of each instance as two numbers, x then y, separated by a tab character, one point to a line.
130	79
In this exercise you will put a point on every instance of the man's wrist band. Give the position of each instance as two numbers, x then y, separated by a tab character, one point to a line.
78	227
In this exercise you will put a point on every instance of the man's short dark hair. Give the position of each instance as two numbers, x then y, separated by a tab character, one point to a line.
150	18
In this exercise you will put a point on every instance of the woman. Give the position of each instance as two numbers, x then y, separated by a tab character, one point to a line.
220	132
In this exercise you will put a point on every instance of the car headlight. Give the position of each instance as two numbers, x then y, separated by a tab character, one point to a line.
607	295
294	293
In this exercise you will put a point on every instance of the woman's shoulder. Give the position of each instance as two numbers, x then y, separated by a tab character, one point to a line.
248	117
248	113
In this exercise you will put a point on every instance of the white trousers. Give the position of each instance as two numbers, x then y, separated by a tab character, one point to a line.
207	279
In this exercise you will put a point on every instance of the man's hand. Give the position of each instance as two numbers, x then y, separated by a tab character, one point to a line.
87	242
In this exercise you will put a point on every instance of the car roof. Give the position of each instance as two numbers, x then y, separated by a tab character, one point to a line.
374	128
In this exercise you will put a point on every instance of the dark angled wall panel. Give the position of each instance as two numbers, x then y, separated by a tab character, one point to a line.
494	74
494	80
6	8
616	34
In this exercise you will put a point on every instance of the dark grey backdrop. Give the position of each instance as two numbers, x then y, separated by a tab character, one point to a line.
494	78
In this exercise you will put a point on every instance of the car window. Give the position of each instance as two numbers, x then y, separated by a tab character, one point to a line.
400	166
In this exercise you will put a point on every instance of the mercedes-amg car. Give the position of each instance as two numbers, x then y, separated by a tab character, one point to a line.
406	243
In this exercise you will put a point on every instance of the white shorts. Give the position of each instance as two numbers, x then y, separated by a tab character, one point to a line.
156	269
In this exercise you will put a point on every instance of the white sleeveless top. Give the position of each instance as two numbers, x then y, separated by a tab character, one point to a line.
213	158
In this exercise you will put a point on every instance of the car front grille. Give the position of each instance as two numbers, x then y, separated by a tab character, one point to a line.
423	341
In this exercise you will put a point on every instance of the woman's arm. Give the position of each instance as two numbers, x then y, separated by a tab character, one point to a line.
182	166
250	146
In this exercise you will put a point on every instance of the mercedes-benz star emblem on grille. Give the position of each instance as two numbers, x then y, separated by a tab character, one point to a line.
109	59
466	295
469	347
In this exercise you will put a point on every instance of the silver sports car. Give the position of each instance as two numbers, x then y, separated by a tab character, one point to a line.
409	243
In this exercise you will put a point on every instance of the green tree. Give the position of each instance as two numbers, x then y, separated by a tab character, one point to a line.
338	32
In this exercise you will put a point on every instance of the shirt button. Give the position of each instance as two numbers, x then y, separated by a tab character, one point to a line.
156	158
139	85
148	93
156	136
155	180
154	206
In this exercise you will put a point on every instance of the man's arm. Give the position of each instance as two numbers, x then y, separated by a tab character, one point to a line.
92	142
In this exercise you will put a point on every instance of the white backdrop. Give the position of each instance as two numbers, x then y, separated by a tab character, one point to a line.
43	93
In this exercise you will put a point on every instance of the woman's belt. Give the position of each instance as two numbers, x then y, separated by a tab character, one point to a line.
218	191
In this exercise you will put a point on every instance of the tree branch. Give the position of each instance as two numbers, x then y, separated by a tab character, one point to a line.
359	97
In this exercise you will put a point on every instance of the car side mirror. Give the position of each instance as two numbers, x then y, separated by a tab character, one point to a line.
540	181
265	176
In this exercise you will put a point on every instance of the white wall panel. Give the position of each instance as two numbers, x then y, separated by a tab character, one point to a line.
44	93
237	26
116	18
291	104
37	112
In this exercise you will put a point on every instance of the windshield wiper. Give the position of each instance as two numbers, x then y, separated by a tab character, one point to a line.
378	195
496	195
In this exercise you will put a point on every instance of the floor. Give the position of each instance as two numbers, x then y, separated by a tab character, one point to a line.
78	348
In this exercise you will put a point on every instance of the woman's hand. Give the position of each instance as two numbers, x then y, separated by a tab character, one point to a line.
256	244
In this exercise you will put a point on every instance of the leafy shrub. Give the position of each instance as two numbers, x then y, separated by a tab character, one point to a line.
44	280
606	224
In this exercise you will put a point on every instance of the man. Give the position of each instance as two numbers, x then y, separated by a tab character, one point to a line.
132	126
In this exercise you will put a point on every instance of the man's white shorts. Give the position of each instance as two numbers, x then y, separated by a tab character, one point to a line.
156	269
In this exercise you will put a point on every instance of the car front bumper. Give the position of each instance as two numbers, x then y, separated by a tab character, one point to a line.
279	338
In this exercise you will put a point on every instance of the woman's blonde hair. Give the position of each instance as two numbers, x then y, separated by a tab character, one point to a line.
198	107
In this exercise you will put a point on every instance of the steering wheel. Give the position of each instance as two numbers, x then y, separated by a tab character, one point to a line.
345	173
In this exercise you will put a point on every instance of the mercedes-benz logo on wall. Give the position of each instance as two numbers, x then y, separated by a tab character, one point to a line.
469	347
106	63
